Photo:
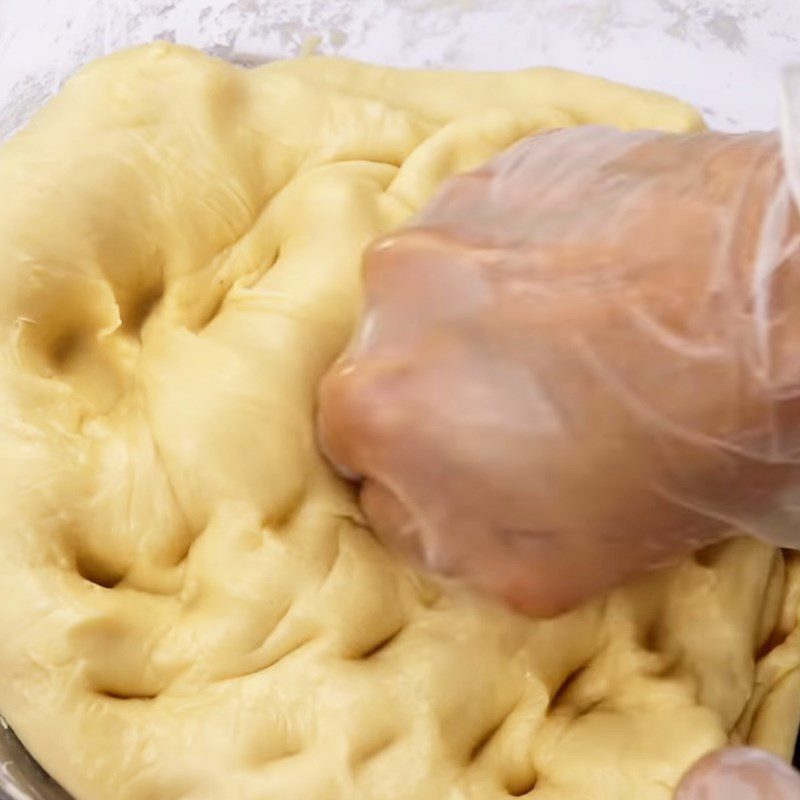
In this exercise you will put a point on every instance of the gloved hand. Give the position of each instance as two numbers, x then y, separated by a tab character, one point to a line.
580	362
740	773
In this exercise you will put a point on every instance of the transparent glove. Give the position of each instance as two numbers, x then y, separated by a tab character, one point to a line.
579	363
740	773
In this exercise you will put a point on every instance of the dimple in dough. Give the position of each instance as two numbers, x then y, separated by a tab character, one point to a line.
192	607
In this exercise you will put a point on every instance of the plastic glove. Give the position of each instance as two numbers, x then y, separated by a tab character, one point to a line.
740	773
579	363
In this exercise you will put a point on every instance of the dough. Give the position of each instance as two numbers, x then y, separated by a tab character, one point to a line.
192	605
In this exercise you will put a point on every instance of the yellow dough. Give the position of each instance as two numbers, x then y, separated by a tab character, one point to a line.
191	607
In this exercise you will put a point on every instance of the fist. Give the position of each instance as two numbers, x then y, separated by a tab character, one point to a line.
579	363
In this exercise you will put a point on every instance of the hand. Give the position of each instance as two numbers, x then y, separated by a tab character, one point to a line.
740	773
579	363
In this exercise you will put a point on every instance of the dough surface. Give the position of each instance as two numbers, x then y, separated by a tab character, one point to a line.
192	606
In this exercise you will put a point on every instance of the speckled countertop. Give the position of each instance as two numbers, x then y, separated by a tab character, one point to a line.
723	55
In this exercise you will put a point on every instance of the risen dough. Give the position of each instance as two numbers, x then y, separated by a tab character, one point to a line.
192	608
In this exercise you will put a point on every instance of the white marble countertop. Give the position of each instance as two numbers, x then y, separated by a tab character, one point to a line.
723	55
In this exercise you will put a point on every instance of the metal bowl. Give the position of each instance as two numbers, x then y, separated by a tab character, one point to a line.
21	778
